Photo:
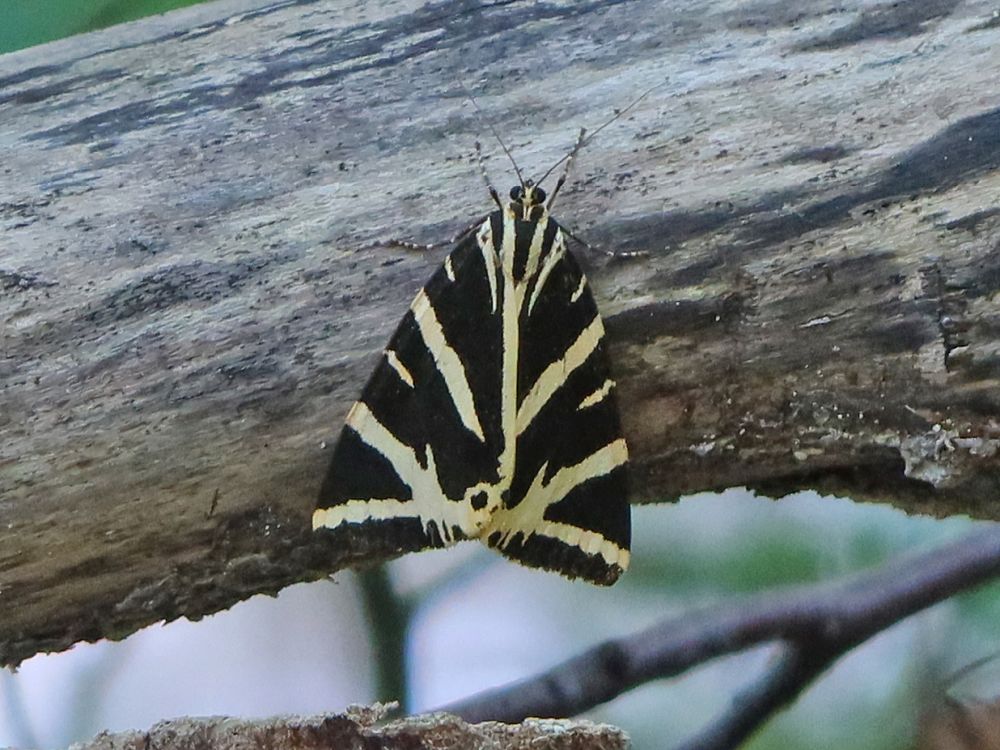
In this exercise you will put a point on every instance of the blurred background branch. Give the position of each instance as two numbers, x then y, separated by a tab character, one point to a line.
816	625
388	616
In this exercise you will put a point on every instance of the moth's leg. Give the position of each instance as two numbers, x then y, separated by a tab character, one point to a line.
612	254
422	247
392	242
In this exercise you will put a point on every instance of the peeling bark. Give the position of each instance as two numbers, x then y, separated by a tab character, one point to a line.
357	728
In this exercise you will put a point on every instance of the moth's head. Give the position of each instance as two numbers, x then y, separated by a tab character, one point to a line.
527	200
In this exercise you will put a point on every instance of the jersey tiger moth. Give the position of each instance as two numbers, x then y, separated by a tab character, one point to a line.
491	414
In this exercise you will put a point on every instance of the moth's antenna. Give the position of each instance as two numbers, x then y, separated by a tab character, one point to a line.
584	141
486	178
569	162
483	118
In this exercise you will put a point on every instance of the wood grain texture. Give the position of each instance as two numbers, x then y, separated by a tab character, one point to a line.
359	727
188	306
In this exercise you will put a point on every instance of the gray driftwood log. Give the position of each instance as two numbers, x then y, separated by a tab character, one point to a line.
188	306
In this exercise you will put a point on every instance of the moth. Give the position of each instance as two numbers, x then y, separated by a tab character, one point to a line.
491	414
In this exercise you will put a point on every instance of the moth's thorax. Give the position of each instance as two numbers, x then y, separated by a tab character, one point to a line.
526	211
521	244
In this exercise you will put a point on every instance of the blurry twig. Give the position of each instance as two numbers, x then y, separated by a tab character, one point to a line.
389	620
14	713
816	625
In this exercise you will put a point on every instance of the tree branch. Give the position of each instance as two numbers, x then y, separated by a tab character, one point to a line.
388	616
817	625
796	667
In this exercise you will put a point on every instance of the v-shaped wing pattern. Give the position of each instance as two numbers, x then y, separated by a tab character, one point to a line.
492	415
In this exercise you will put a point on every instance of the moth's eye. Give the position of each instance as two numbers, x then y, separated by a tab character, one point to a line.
516	193
539	195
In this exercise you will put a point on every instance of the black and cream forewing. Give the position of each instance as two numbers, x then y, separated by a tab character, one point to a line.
492	414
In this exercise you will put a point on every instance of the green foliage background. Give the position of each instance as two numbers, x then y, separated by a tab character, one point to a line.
24	23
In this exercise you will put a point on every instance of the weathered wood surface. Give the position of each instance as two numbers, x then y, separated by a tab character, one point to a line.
187	309
358	727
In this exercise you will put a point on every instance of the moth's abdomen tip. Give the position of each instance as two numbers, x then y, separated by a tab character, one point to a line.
613	574
602	575
609	574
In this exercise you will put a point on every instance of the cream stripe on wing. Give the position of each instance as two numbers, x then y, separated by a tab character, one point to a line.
486	247
429	502
448	363
597	396
554	256
553	377
589	541
513	297
536	247
597	464
399	367
528	516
